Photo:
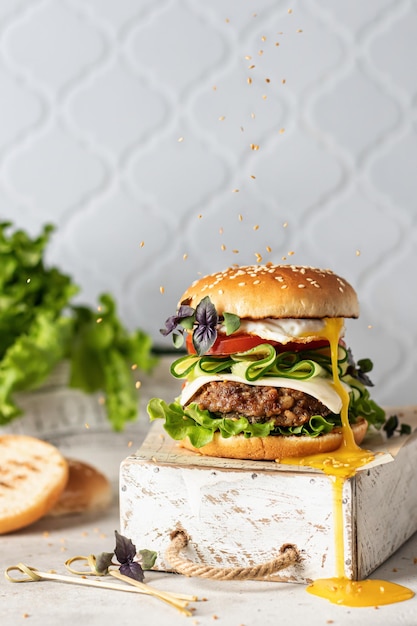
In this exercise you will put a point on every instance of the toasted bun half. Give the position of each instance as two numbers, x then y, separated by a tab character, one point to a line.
33	474
87	490
275	448
277	291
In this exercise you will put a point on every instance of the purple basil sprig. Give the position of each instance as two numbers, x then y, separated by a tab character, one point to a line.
204	320
125	553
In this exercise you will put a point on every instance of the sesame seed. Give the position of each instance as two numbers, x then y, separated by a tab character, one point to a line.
256	227
249	80
142	243
222	118
223	247
180	139
256	282
254	146
301	286
162	289
241	284
185	256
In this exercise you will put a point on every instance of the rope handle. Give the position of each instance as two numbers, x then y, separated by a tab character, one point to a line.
288	555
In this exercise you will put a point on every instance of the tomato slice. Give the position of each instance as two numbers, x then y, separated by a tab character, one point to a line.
225	345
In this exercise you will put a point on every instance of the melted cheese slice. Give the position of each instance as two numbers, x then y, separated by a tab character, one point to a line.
322	389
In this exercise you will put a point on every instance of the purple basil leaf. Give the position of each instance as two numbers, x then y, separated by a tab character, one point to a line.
125	551
207	319
133	570
172	322
206	314
203	339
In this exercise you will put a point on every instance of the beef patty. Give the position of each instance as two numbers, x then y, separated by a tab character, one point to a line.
281	405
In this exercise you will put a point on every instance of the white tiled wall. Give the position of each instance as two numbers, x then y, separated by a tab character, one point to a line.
132	124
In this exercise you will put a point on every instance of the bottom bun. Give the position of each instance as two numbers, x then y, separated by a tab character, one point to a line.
277	447
87	490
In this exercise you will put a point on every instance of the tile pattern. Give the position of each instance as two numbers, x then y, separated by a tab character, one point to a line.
143	132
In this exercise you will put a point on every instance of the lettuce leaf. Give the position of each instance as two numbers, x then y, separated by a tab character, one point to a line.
40	326
200	425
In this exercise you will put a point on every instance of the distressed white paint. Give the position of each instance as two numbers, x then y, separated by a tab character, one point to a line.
239	513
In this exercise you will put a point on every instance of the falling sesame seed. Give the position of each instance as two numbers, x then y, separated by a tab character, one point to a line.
281	131
200	216
162	289
240	217
227	20
253	177
285	224
264	97
267	80
358	252
180	139
248	57
223	247
214	88
256	227
249	80
184	256
235	251
260	52
268	249
289	11
251	67
235	191
134	366
138	384
263	38
290	253
221	230
254	146
99	320
142	243
252	115
299	30
370	326
222	118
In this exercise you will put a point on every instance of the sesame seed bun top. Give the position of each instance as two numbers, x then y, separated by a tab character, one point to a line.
276	291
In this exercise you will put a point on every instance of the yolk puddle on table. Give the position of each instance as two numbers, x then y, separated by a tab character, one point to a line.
342	464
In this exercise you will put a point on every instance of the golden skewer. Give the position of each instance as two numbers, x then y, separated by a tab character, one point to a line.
33	575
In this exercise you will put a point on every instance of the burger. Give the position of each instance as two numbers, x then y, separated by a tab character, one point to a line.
267	373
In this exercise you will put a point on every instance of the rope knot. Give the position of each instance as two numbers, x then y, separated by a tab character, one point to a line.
288	555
